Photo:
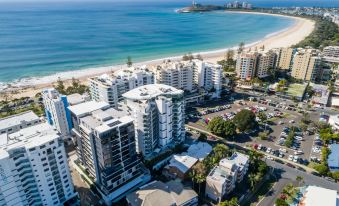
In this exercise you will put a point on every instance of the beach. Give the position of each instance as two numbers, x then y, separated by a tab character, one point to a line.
284	38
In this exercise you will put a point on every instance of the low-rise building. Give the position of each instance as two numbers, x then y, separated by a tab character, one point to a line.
238	159
334	121
333	158
318	196
157	193
17	122
180	165
76	98
223	178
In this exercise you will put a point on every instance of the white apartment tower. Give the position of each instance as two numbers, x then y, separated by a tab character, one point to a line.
176	74
158	112
208	76
56	111
109	88
106	148
34	168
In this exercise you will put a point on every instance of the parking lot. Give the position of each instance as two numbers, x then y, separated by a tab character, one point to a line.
282	120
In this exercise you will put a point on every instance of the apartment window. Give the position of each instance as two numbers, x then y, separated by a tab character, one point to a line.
45	164
32	149
62	162
45	170
42	146
43	159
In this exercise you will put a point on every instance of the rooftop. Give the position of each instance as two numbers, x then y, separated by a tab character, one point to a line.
183	162
27	137
74	99
87	107
317	196
151	91
219	174
161	194
199	150
17	119
333	158
104	119
237	158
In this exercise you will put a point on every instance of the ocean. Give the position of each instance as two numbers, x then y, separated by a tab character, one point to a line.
41	39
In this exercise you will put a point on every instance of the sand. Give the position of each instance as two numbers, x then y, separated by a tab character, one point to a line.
285	38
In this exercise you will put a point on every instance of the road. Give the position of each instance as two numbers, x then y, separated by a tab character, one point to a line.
285	175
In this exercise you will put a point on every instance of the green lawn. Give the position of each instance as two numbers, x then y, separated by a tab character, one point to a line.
296	90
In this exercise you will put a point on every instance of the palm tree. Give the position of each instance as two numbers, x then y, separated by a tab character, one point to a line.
231	202
198	174
299	179
252	180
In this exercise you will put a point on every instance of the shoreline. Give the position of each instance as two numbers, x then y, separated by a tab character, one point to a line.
283	38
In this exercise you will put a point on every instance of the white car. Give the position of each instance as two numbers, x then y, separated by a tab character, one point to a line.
299	152
290	157
295	158
283	150
291	121
259	147
269	150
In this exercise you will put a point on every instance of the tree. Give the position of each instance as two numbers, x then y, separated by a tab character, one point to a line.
241	47
202	137
263	135
129	61
185	57
231	202
321	168
252	180
199	57
222	128
220	151
309	90
60	87
229	129
199	173
281	202
216	125
245	120
299	179
305	118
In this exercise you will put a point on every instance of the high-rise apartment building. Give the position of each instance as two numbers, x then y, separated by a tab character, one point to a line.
109	88
266	61
208	76
305	64
176	74
285	58
246	65
331	52
34	168
158	112
106	148
56	111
